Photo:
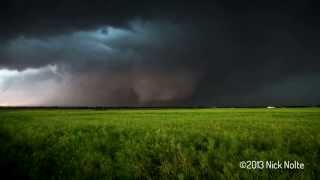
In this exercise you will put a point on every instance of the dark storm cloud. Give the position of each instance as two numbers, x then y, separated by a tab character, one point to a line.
111	66
166	53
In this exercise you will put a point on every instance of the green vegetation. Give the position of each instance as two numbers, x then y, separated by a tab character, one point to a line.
158	143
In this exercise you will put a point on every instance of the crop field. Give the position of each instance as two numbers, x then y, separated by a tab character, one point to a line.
158	143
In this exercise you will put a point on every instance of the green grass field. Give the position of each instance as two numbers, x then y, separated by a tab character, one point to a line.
158	143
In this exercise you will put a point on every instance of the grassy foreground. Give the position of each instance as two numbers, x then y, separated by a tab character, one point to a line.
158	144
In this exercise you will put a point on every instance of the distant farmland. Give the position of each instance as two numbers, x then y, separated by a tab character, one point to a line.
158	143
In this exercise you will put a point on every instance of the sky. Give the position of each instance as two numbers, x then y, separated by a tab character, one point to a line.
159	53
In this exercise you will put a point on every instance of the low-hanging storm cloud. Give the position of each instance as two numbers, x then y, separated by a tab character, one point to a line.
125	53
